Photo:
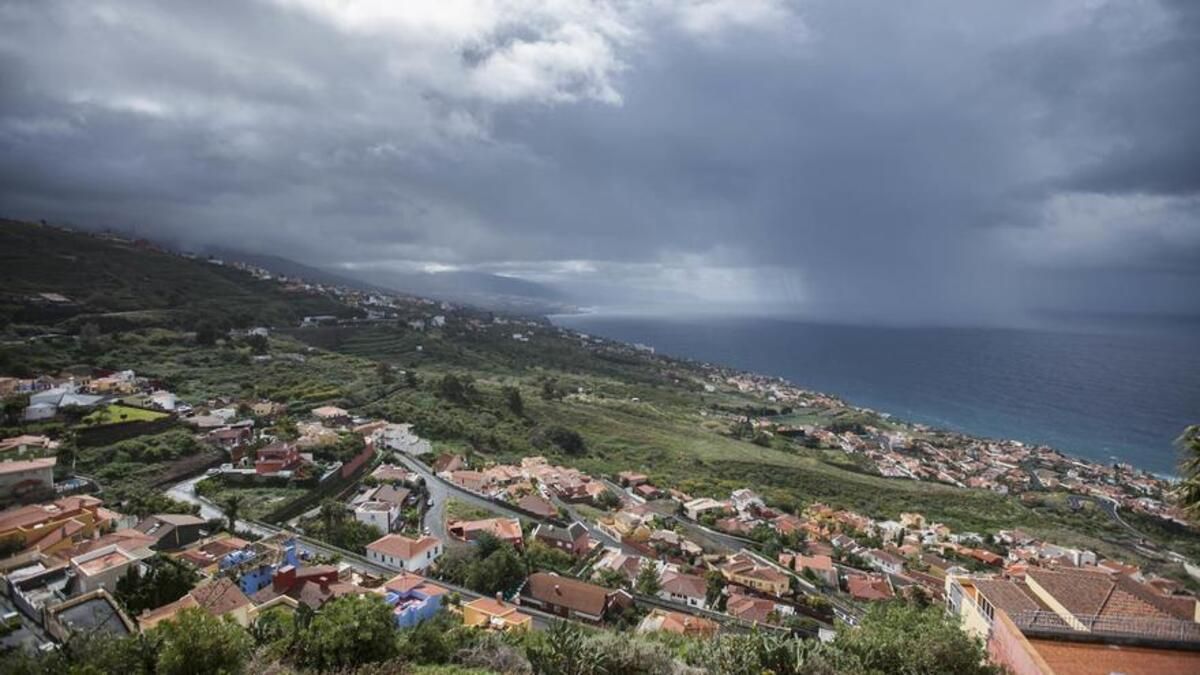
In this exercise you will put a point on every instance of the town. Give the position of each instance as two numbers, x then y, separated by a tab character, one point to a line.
134	500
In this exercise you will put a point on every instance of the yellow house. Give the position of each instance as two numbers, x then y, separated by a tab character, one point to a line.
496	615
51	527
742	570
221	598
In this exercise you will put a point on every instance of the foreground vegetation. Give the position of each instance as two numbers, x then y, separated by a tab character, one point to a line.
356	633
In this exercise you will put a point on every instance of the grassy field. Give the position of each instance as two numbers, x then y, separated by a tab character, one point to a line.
256	502
121	413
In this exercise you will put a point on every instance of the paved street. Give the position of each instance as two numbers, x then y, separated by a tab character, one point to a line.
185	491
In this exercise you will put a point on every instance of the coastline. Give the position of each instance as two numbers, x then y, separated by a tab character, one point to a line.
935	423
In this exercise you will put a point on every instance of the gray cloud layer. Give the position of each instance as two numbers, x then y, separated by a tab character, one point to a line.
922	160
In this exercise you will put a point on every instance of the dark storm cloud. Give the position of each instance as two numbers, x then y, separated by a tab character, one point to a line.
922	161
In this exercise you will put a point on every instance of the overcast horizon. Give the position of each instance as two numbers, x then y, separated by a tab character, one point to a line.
924	162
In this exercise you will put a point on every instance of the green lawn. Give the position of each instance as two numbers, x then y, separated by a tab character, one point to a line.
117	413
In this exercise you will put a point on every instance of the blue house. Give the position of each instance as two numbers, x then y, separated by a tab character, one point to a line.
256	567
413	599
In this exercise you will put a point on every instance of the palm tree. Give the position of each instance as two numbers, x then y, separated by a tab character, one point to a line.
231	505
1188	492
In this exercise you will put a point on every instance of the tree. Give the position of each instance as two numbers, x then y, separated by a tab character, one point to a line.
512	398
14	407
166	580
348	632
258	343
89	337
232	505
385	373
1188	492
905	639
195	643
497	572
206	333
411	379
452	389
608	501
566	440
610	578
647	582
715	588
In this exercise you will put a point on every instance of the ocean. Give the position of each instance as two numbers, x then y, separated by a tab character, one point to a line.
1102	394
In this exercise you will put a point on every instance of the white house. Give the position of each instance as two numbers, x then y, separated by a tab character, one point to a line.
884	561
381	515
686	589
746	500
398	552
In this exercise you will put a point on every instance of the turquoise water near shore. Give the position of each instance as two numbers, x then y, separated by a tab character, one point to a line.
1105	395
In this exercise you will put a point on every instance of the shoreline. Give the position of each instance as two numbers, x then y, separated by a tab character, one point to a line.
847	400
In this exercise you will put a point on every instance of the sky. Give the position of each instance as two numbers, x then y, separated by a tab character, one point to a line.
921	161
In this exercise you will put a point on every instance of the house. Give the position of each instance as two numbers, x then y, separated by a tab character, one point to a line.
504	529
702	505
310	586
884	561
1055	620
686	589
331	416
381	515
632	479
255	567
18	445
572	539
751	609
230	438
171	531
102	568
402	553
474	481
626	564
25	479
268	409
413	598
394	473
571	598
746	501
537	506
207	556
742	569
447	463
52	527
219	598
662	620
96	614
819	566
495	614
869	587
397	496
647	491
276	458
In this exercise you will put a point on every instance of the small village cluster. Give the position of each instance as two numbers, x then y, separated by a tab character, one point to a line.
917	452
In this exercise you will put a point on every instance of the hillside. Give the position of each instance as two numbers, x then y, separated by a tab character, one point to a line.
119	284
632	409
